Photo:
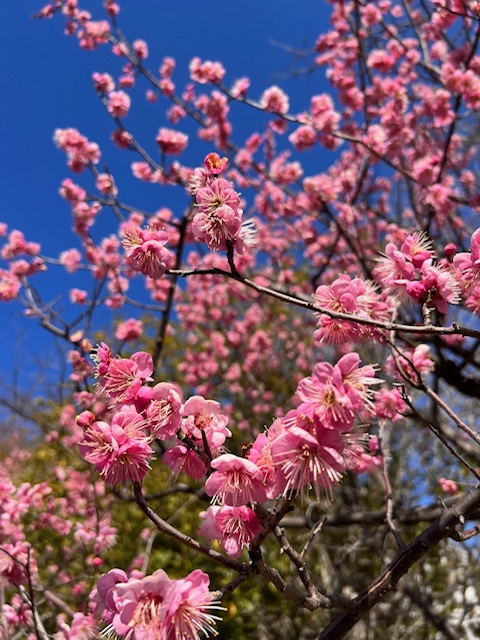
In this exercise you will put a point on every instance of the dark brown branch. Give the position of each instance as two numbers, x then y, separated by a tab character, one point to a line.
442	528
449	371
454	329
405	516
162	329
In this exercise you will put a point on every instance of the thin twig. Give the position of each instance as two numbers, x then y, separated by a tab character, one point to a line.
454	329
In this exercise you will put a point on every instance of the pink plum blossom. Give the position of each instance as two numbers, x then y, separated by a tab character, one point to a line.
352	296
70	259
130	329
275	100
304	460
133	599
181	459
140	48
78	296
124	376
337	392
303	138
10	286
120	450
145	250
103	82
102	357
217	227
80	151
219	217
214	164
207	71
235	527
448	486
235	481
186	608
171	142
468	263
163	414
204	419
106	184
119	104
260	453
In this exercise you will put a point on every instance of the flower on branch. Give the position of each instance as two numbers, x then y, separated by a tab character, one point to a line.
119	450
234	527
150	607
145	250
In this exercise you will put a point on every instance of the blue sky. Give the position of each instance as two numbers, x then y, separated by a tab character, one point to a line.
46	81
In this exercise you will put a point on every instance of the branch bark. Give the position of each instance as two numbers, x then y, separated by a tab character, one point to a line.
442	528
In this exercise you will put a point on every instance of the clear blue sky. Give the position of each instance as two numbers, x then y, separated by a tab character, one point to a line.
46	83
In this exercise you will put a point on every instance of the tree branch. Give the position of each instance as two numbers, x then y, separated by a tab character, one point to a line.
442	528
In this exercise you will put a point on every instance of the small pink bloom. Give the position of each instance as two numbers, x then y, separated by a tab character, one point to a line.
240	88
171	142
70	259
10	285
185	609
235	527
106	184
84	627
448	486
179	458
389	404
468	264
439	285
120	450
235	481
216	228
207	71
13	562
103	82
80	151
102	356
93	33
124	376
274	100
305	460
140	48
215	164
136	604
163	414
303	138
219	217
145	250
204	419
260	453
119	103
123	139
78	296
130	329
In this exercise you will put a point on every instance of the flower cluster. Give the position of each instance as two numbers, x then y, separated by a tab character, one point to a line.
352	296
140	608
218	220
145	250
80	151
119	444
412	272
467	266
313	445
